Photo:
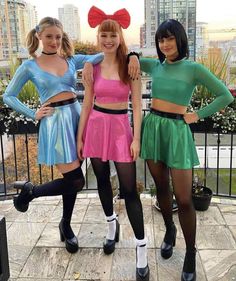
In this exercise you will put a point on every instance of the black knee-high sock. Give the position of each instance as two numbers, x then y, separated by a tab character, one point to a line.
71	182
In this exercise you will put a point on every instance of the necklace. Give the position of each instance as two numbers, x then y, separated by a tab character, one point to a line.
49	54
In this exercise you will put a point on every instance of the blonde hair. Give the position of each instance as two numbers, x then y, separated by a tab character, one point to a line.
32	40
113	26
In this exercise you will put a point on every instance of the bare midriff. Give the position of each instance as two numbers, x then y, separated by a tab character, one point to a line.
167	106
61	96
114	105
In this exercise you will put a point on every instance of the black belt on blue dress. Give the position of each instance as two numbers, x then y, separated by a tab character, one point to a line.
62	102
167	114
110	111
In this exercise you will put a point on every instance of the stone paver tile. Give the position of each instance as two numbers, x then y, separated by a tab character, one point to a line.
94	214
233	230
215	237
124	265
18	256
89	264
46	263
50	236
229	213
219	264
170	270
37	213
147	215
25	233
92	235
159	233
9	212
212	216
127	238
46	200
37	279
157	217
77	216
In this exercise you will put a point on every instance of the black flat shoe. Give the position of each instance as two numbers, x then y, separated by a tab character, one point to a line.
109	245
21	201
71	243
168	242
189	268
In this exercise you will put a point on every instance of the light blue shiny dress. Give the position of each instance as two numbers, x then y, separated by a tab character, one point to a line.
57	133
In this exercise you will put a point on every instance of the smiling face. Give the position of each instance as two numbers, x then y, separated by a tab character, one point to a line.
168	47
51	38
108	41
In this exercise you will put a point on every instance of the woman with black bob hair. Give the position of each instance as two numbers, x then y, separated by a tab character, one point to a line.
167	144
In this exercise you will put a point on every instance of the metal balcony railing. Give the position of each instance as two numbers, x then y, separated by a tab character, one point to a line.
217	154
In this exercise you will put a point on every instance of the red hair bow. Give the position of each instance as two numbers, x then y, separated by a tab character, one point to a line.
97	16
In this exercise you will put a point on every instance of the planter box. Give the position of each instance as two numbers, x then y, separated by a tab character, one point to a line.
19	128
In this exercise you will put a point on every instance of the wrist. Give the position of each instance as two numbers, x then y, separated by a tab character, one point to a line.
132	54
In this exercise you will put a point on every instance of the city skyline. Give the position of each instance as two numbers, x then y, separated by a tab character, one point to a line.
215	19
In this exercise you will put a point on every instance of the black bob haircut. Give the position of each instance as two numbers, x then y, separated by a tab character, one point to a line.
168	28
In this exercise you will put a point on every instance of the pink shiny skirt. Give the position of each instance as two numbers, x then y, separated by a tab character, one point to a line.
108	137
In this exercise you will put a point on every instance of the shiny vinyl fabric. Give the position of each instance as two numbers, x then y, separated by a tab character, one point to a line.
57	135
108	136
168	140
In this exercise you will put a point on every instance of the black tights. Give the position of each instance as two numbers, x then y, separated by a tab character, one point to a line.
182	185
127	179
68	186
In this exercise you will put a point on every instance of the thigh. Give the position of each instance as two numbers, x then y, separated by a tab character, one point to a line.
126	175
182	183
101	168
65	168
159	172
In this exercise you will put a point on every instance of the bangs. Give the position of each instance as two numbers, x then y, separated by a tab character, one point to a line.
165	30
109	26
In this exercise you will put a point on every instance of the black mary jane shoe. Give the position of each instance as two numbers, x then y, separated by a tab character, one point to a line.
142	274
189	268
21	201
168	242
72	245
109	245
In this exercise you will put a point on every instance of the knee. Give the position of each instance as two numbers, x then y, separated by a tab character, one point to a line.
130	194
185	203
75	180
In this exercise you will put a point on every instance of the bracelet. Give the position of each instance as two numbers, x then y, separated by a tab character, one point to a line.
132	54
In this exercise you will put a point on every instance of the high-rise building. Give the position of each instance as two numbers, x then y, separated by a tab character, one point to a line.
69	17
15	22
156	11
202	39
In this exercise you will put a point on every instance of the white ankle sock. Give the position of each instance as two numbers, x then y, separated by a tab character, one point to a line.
111	227
141	253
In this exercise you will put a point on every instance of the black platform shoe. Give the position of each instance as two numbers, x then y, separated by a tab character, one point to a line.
21	201
142	274
168	242
109	245
71	243
189	268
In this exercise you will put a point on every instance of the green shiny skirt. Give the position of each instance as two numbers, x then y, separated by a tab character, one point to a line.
168	140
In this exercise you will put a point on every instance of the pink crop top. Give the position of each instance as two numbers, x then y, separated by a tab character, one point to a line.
109	90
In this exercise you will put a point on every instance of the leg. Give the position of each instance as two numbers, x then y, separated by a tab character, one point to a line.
182	183
102	173
127	180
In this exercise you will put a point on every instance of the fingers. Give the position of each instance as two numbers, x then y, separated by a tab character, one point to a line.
134	72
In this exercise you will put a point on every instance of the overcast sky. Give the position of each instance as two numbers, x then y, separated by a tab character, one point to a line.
217	13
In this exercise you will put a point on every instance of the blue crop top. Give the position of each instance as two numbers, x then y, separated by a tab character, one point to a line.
47	84
175	82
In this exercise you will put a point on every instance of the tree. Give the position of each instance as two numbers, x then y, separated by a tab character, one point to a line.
87	48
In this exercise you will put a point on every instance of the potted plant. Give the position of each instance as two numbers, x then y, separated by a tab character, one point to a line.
201	194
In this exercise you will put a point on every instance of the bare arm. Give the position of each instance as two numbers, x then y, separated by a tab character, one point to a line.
86	108
137	109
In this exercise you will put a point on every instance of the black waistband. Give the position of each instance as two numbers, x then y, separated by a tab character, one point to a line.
167	114
110	111
63	102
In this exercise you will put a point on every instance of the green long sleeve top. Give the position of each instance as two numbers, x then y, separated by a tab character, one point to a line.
175	82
